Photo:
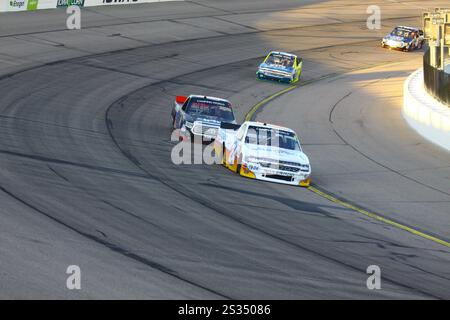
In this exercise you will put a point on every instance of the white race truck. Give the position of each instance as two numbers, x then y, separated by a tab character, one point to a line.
263	151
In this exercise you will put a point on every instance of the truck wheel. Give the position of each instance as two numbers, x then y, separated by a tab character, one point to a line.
224	155
173	122
238	166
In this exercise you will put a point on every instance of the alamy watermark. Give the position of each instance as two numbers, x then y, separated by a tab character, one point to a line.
192	150
374	20
374	280
73	21
73	281
200	149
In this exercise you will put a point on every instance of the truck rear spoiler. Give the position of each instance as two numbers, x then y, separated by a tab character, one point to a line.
231	126
180	99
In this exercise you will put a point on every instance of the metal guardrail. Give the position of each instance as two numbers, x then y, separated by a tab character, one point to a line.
437	82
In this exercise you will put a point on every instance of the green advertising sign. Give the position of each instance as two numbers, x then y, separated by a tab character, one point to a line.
68	3
32	5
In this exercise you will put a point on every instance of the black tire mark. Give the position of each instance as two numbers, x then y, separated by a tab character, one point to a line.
113	247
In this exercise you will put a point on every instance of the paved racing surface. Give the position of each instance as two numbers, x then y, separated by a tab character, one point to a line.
86	176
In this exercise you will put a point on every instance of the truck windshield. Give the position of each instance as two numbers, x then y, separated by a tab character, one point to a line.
400	32
219	110
282	60
272	137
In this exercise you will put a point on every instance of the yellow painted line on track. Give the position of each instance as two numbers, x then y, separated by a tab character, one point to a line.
256	107
379	218
249	116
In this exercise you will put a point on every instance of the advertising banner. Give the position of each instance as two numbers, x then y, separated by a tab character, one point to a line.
32	5
92	3
21	5
16	5
47	4
67	3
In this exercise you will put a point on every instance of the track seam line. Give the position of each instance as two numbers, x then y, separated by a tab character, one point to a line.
258	107
378	217
403	175
114	247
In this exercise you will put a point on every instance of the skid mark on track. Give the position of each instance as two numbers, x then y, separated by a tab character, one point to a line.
112	246
73	164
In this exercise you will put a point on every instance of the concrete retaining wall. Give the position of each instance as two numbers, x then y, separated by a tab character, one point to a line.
426	115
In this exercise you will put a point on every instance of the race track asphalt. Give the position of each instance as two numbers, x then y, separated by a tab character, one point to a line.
86	175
